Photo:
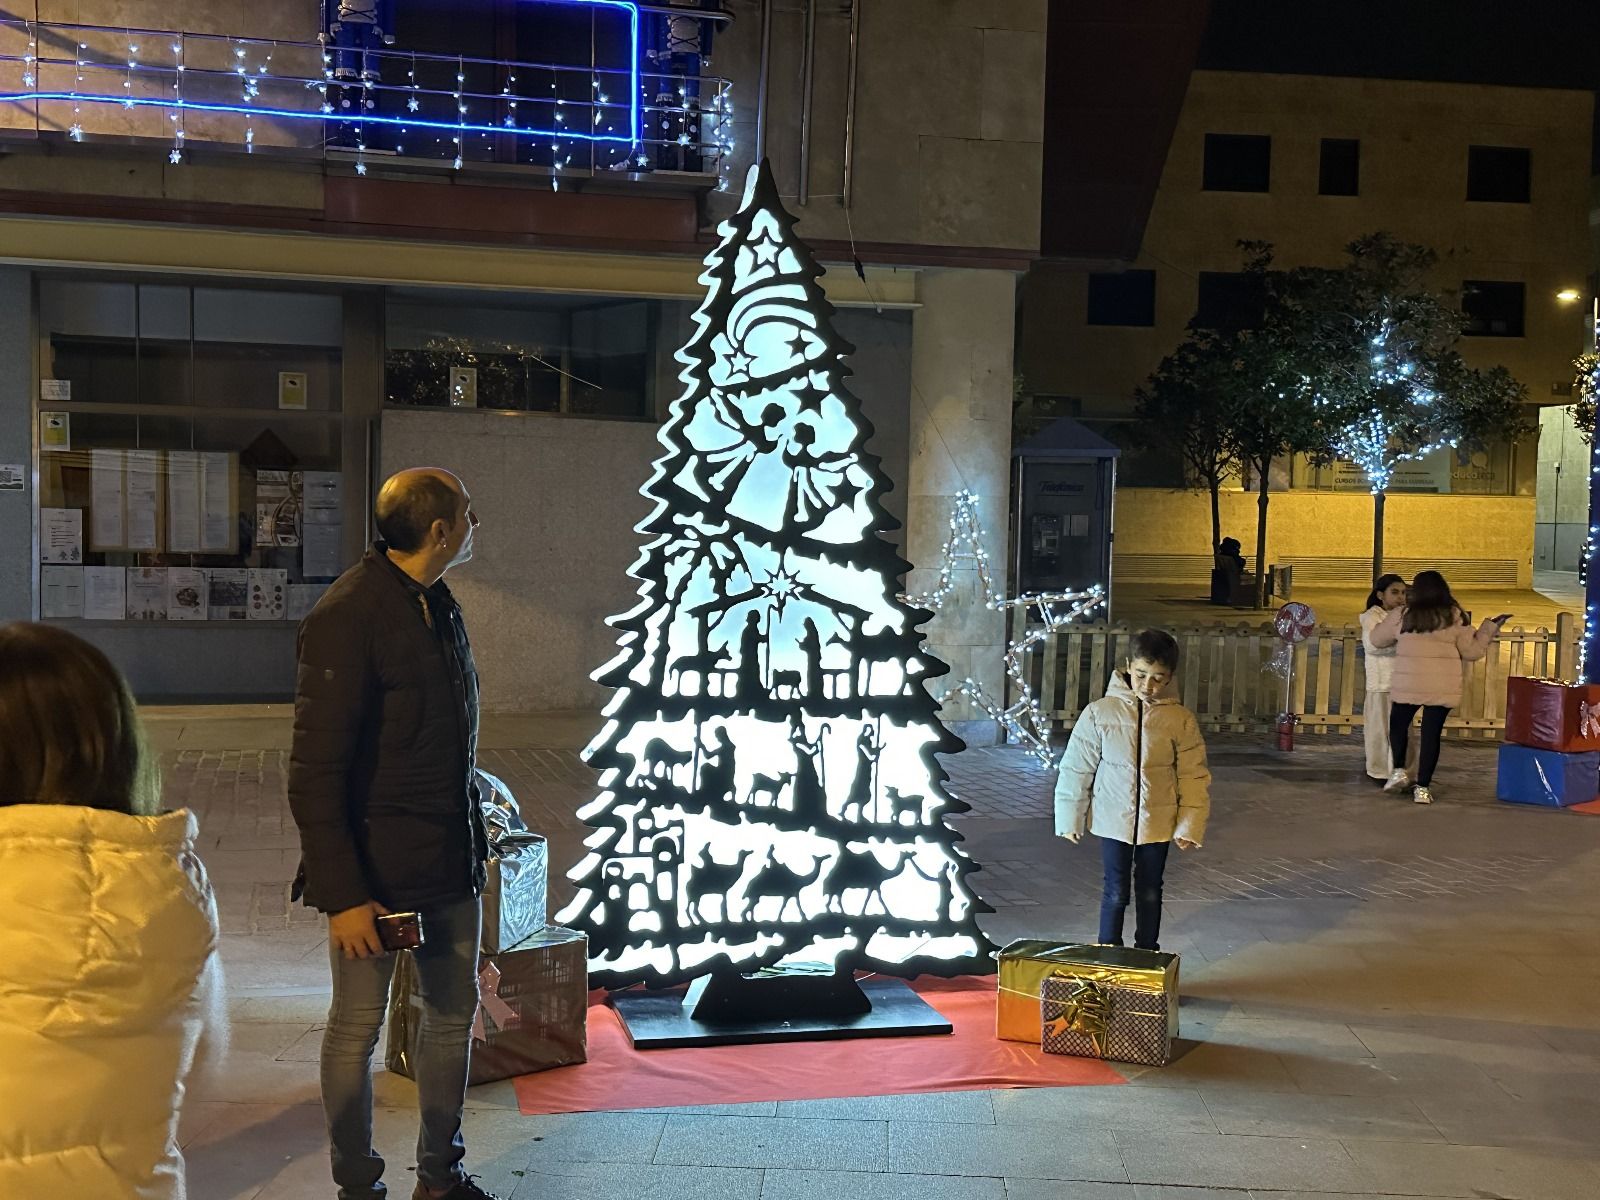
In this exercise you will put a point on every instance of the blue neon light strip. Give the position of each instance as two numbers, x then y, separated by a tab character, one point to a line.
292	114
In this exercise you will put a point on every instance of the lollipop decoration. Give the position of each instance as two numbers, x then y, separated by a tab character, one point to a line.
1294	623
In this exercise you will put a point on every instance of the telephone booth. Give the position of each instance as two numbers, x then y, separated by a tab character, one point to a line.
1063	482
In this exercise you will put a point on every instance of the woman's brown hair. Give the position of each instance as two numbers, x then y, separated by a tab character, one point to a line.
1429	605
69	733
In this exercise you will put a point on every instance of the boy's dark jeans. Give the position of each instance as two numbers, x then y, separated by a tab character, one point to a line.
1141	867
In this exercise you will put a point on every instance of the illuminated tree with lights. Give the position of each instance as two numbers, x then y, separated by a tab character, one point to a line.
1378	354
769	792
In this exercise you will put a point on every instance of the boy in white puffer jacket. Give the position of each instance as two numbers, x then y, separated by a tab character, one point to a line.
1135	776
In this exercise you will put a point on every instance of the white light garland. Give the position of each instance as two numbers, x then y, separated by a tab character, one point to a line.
1024	720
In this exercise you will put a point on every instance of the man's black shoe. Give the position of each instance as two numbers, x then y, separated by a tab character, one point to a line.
467	1189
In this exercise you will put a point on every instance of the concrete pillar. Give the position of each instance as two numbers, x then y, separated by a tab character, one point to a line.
960	437
16	443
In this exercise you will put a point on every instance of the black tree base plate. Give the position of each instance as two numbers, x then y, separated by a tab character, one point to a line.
662	1020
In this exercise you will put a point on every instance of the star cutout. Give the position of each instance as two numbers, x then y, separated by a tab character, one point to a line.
766	252
782	585
739	362
799	345
845	494
811	397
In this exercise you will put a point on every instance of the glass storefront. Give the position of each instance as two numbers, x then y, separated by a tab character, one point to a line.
190	452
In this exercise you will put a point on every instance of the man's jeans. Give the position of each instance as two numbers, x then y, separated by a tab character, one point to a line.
1142	867
447	965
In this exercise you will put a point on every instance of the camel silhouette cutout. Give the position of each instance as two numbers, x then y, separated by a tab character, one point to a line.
854	872
776	879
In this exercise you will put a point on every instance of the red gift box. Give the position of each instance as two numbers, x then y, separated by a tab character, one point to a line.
1550	715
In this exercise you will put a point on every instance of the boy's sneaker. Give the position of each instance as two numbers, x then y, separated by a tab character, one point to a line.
1398	782
1421	795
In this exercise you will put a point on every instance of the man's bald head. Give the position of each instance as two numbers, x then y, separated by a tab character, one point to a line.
410	501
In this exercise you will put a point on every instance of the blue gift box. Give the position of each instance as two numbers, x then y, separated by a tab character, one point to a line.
1556	778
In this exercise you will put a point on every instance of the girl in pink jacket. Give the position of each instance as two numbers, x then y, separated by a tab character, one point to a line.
1431	640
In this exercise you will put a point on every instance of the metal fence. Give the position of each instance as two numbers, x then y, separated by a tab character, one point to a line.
1227	680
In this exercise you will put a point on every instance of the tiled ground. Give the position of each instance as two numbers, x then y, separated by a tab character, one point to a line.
1379	1000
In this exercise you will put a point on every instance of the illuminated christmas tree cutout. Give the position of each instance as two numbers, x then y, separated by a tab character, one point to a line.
769	791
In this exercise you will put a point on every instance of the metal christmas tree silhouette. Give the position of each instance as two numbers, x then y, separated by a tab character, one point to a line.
769	791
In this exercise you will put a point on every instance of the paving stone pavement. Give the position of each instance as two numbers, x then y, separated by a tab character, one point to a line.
1380	999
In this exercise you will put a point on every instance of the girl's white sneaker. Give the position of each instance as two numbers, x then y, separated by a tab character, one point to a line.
1398	782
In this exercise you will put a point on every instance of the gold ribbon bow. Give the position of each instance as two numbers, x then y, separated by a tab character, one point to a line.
1086	1009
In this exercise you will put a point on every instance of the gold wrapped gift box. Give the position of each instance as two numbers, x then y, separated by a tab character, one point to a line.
1026	964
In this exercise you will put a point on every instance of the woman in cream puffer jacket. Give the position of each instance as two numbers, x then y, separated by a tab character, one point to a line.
108	936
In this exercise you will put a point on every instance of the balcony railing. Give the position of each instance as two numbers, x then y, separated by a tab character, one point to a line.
619	109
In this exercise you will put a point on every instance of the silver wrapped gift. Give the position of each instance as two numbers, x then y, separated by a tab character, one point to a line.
518	870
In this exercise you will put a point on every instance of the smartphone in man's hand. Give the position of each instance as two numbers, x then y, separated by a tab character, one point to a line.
400	931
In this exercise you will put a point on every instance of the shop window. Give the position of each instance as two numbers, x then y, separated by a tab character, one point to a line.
1237	162
1339	173
1229	300
190	453
1122	298
582	356
1499	174
1493	308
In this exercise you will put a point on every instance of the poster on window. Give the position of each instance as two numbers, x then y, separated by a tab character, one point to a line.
105	595
147	593
105	504
186	594
303	598
278	508
61	535
143	496
228	594
60	592
269	597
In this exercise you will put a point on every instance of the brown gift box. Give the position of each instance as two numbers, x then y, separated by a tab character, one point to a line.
1103	1020
532	1014
1026	964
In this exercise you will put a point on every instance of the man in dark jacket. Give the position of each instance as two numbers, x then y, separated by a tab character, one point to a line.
381	785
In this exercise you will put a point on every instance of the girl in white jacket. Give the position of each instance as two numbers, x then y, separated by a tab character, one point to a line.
108	933
1388	594
1135	776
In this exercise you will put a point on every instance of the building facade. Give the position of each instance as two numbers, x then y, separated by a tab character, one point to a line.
1496	179
255	259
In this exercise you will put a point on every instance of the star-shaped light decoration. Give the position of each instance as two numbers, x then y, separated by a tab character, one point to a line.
782	585
766	252
413	104
1024	720
739	363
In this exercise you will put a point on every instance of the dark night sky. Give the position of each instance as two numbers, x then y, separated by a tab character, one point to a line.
1549	43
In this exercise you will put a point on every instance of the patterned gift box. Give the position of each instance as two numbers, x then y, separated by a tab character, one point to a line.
1089	1018
1026	964
533	1008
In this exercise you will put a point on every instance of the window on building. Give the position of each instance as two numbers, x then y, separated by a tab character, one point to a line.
1499	174
1229	300
191	472
1237	162
1340	171
1493	308
1122	298
588	356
